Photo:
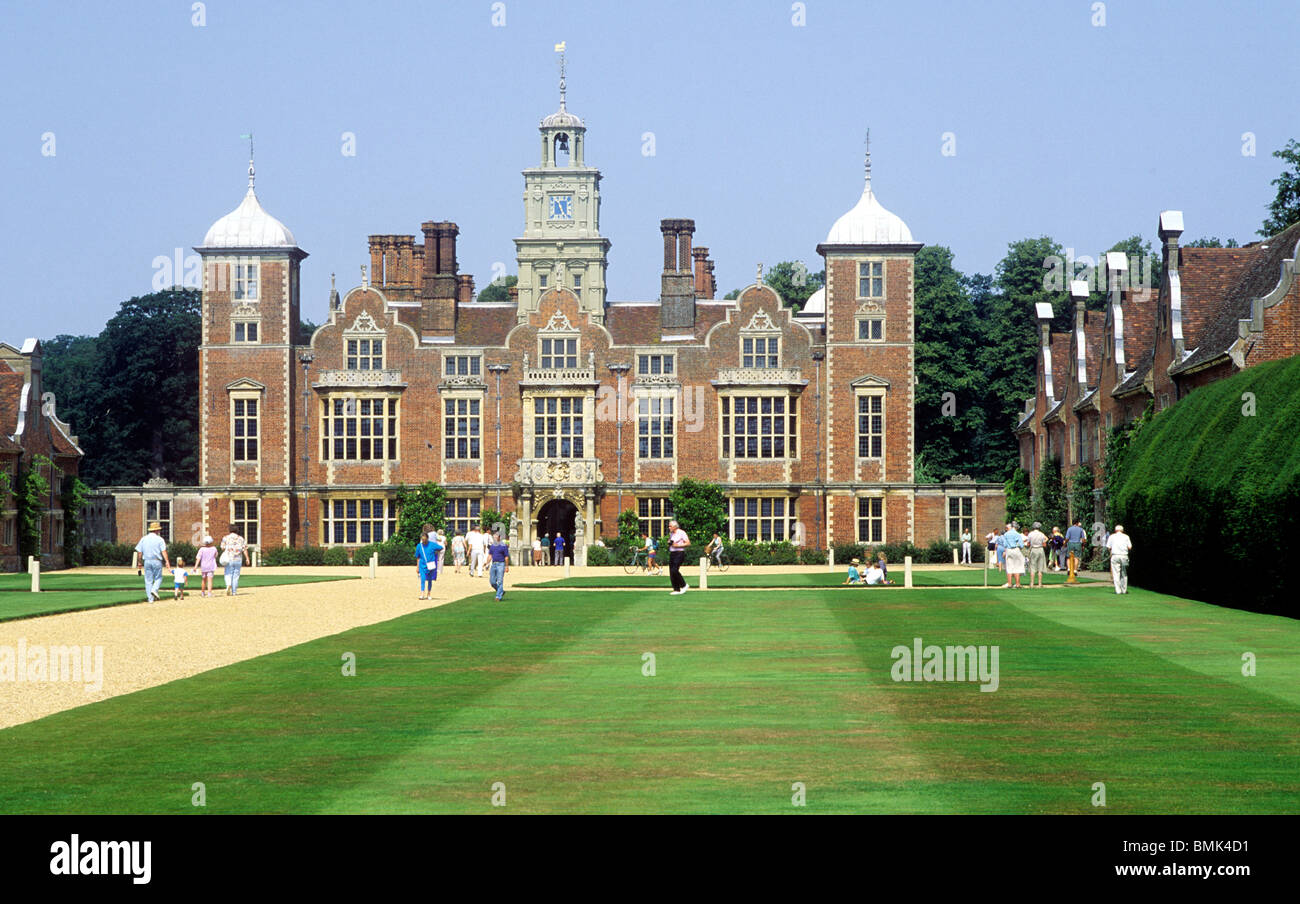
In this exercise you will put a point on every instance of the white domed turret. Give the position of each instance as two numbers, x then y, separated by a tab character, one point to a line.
249	226
815	306
869	223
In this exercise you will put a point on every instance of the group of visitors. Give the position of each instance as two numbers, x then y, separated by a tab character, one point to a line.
876	572
1014	551
151	553
548	549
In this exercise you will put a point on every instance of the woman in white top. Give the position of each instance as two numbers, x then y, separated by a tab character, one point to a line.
458	550
537	551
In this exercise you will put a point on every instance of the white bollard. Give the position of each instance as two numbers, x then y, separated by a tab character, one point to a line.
34	566
374	564
907	571
257	557
955	559
704	572
830	560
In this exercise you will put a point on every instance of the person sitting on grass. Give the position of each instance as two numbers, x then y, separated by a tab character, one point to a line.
179	576
875	575
853	577
883	564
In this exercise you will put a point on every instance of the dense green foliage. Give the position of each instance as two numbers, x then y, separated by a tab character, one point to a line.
629	526
1019	506
33	494
491	519
109	554
700	508
1049	498
73	500
1082	498
793	282
498	289
416	507
1284	209
1211	486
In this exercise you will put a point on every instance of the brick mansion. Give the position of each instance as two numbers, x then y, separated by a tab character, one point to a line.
560	405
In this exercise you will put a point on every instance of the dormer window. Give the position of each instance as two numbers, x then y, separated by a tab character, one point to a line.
245	288
760	351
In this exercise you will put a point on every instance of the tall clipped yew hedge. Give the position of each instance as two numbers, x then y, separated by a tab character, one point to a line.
1209	490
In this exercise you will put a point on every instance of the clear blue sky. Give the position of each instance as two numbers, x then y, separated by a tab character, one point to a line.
1062	128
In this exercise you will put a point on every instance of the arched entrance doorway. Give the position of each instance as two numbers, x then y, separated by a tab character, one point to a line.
557	516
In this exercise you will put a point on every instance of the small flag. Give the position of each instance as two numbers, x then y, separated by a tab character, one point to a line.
559	48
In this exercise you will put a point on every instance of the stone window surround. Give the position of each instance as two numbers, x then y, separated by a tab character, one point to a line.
791	414
326	413
859	519
858	277
459	395
788	520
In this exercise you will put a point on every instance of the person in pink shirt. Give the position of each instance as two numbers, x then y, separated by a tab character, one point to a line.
677	543
207	563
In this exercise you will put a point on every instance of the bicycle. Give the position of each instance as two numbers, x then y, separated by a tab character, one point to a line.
637	559
718	560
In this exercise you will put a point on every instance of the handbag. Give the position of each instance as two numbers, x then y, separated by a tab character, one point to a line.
226	557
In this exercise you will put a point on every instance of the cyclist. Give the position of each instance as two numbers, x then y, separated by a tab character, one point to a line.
650	549
714	549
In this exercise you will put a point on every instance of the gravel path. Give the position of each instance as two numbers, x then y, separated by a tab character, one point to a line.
150	644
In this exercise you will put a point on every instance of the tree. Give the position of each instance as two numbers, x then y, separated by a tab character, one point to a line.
490	518
73	501
425	504
948	406
1082	499
305	329
629	526
33	492
1285	207
1017	495
792	281
70	368
139	413
1049	495
1009	344
733	294
498	289
700	508
1211	242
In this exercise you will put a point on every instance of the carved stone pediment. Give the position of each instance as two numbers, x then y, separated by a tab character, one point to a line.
364	324
761	322
245	311
559	323
560	472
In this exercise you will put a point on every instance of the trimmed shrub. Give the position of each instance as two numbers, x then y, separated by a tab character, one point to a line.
110	554
293	555
396	551
846	552
783	553
1210	481
939	552
808	556
180	548
896	552
336	555
599	555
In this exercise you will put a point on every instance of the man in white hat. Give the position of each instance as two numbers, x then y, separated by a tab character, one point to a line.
153	557
1119	545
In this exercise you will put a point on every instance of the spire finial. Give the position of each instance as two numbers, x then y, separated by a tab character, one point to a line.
868	160
559	48
251	171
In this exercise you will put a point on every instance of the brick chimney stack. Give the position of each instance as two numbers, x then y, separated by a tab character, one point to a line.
1171	227
704	287
677	295
439	288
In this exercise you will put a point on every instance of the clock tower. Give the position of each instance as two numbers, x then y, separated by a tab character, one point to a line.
561	245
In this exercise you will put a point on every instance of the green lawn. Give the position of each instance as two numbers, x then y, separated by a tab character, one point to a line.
72	592
752	692
744	577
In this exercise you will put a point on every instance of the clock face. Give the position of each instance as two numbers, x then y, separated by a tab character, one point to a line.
561	207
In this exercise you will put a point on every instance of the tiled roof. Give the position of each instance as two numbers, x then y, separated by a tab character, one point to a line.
1259	277
1207	274
1139	323
483	326
1137	379
633	324
1060	362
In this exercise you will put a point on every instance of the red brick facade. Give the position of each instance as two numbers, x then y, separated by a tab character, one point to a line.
561	407
30	427
1216	311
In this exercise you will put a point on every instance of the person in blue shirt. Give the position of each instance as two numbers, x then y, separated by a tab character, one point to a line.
1075	536
153	556
853	577
1015	554
557	549
499	554
426	560
651	551
1000	548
